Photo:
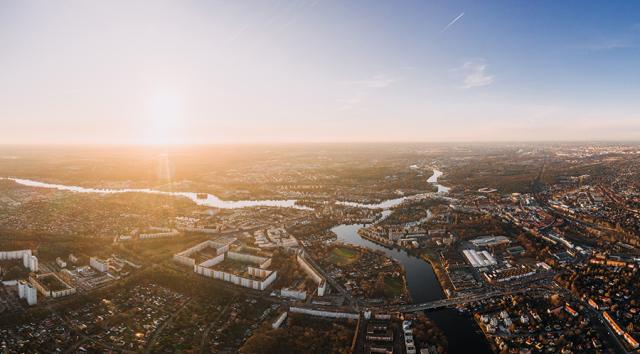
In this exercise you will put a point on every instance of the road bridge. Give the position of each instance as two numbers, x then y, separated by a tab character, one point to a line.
460	300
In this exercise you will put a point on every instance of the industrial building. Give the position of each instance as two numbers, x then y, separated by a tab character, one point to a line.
479	259
490	241
509	274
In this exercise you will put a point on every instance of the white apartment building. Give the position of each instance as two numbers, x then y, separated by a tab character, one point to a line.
254	276
29	261
19	254
28	292
98	264
312	273
65	289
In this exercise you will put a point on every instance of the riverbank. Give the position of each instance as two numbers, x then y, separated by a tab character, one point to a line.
438	269
377	239
441	274
423	285
198	198
206	199
488	336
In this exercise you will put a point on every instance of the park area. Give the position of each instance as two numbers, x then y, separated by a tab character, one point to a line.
342	256
393	286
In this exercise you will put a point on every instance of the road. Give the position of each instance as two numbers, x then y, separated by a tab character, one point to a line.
83	337
164	324
462	300
335	284
597	320
205	334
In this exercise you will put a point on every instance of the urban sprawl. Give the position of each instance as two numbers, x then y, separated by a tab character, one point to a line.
396	249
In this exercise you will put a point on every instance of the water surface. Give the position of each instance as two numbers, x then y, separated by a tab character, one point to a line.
463	334
211	200
204	199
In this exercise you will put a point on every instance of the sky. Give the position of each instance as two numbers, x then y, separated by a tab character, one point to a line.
210	72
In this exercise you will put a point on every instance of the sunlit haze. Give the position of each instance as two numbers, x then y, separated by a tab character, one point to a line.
320	176
209	72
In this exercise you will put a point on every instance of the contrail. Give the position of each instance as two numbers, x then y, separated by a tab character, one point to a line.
452	22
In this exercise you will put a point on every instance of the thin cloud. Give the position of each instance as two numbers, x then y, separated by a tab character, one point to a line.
474	73
610	44
453	22
627	38
376	81
362	88
351	102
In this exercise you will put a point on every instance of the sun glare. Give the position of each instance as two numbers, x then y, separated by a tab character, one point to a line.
165	112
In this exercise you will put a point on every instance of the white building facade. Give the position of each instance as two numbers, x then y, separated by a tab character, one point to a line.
28	292
98	264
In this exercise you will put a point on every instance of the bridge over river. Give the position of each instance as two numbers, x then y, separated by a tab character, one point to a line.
460	300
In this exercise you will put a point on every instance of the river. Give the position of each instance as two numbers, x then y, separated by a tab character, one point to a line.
463	334
211	200
461	330
390	203
434	180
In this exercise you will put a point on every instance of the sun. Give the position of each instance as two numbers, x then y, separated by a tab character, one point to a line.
165	119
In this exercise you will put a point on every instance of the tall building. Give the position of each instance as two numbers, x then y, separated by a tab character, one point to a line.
28	292
33	264
14	254
30	262
98	264
312	273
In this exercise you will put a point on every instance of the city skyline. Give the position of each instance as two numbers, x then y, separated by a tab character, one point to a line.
317	71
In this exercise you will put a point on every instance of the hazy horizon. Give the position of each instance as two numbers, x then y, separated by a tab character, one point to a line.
346	142
292	72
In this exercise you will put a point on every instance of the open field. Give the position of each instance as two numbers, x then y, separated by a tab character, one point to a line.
393	286
343	256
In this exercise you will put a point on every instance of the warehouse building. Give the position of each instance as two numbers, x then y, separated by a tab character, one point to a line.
479	259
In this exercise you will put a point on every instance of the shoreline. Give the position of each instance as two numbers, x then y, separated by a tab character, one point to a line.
487	337
437	270
211	200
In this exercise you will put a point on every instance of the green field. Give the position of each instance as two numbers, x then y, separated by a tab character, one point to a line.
343	256
393	286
